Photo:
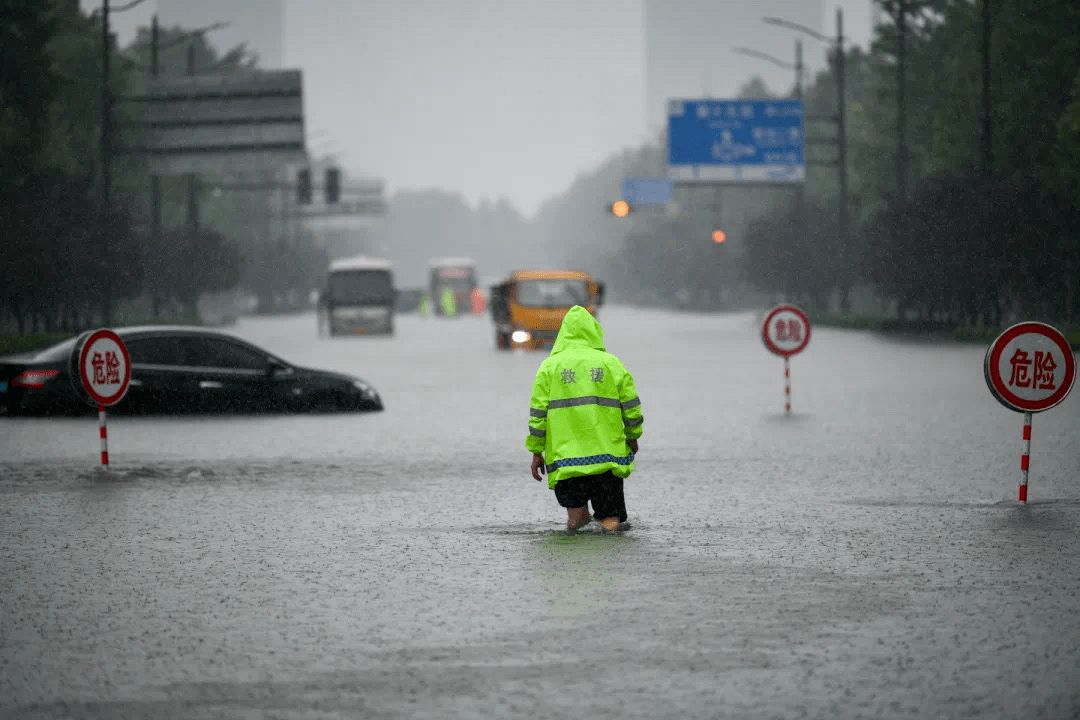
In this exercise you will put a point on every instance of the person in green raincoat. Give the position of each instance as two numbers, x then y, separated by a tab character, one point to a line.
424	307
448	303
585	419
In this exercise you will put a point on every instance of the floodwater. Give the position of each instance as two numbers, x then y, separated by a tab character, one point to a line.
864	557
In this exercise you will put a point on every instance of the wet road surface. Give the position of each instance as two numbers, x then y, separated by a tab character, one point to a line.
864	557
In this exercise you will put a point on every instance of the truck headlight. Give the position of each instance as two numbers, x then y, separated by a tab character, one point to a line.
520	336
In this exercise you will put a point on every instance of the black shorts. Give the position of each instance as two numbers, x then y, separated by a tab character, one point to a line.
605	492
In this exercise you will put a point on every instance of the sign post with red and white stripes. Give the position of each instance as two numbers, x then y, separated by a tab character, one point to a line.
1029	368
103	367
786	332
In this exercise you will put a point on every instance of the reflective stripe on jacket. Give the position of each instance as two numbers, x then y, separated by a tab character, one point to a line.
584	405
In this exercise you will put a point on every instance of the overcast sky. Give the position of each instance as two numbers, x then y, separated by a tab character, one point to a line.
489	98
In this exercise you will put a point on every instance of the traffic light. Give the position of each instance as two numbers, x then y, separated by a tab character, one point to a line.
303	187
719	236
333	185
620	208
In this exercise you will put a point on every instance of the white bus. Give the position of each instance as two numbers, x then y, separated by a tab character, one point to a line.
358	298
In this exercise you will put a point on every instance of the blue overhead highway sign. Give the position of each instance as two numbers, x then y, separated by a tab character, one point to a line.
736	141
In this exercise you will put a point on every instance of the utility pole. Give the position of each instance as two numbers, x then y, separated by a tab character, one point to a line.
192	178
901	113
800	193
192	205
987	125
155	181
841	130
106	160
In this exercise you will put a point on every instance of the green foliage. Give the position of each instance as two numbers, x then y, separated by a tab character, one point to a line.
27	86
1068	141
176	45
19	344
63	254
971	243
188	264
797	252
754	89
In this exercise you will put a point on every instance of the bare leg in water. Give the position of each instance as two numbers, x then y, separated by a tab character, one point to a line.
579	517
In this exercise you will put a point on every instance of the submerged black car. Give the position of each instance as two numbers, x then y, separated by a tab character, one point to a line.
184	370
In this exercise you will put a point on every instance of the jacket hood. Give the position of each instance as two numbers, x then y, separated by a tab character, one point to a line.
579	329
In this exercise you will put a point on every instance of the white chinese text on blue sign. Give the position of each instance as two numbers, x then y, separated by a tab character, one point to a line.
736	141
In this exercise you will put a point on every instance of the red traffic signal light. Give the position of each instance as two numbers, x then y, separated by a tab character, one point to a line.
620	208
719	236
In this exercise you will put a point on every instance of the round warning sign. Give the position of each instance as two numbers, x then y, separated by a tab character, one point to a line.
786	330
1030	367
104	367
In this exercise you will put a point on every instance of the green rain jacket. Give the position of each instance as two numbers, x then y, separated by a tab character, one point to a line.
584	405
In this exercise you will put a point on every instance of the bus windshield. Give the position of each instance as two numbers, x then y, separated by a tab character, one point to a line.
361	287
457	279
552	293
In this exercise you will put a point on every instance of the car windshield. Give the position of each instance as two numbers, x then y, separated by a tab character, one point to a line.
361	287
552	293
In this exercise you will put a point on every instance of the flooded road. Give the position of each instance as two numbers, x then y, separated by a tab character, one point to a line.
864	557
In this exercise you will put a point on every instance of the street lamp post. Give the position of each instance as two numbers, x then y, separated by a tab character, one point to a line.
797	66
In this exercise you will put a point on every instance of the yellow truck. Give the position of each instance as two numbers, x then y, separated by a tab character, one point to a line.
528	307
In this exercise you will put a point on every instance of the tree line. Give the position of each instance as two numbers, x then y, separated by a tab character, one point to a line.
952	225
946	227
960	218
67	257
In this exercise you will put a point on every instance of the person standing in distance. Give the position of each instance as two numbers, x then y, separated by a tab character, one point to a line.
584	423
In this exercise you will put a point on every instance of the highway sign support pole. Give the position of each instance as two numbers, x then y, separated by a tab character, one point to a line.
1025	459
800	197
798	70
